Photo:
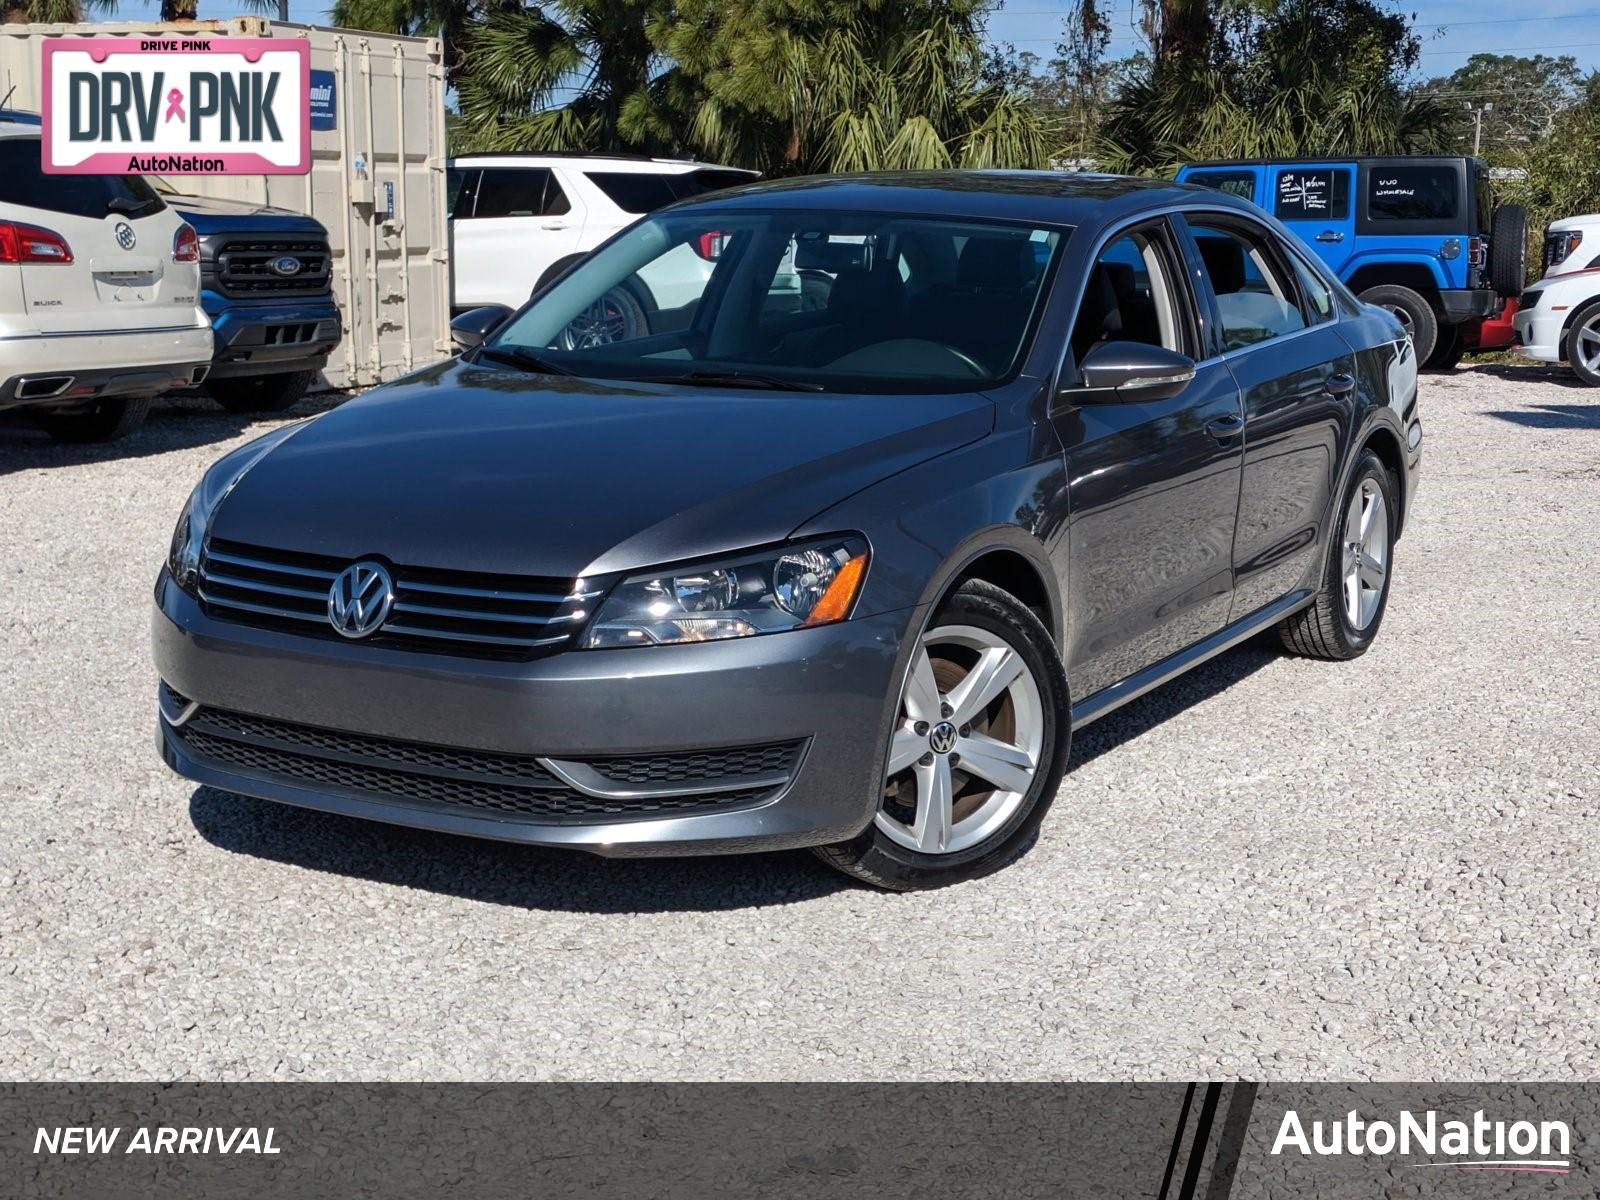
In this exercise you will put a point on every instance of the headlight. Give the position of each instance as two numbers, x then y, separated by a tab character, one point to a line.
815	583
189	536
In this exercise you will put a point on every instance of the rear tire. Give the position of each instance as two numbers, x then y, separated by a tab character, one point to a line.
105	421
1583	344
1344	619
1414	311
1508	249
261	393
977	744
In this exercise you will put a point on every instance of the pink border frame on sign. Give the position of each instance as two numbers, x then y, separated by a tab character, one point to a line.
237	163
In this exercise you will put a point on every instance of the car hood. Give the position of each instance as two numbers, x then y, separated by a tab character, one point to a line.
209	214
476	468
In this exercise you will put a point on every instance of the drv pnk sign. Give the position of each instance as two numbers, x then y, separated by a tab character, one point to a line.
176	105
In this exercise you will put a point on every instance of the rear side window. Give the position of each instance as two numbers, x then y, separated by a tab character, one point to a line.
518	192
642	192
23	181
1413	193
1312	194
1256	300
1234	183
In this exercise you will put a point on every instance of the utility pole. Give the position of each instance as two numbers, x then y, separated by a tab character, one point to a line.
1477	123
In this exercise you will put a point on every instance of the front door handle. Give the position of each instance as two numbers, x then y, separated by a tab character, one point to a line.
1340	384
1330	235
554	225
1225	428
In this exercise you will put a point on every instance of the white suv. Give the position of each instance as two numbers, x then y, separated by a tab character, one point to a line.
99	295
1558	318
517	221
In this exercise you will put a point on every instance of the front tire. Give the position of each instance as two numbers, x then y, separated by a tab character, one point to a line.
1414	311
1583	344
261	393
976	751
105	421
1343	621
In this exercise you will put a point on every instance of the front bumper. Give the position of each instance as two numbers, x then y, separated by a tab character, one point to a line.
830	687
1539	330
261	339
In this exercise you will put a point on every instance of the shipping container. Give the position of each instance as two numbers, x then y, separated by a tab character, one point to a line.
377	179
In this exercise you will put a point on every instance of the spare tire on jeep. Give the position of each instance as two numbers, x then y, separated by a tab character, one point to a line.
1508	249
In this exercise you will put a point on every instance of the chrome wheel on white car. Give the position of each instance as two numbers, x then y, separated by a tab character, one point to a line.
968	744
1583	345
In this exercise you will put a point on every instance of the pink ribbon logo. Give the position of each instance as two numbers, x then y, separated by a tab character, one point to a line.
174	105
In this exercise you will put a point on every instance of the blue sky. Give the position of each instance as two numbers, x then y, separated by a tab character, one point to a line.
1450	31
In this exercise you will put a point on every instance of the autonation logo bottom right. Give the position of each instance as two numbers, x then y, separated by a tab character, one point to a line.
1478	1144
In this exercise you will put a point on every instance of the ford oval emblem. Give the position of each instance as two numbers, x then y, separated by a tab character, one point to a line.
285	264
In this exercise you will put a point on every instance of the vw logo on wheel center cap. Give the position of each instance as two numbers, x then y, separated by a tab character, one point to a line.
360	599
943	738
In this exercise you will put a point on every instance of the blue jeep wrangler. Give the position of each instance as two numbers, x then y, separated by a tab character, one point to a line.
266	281
1417	235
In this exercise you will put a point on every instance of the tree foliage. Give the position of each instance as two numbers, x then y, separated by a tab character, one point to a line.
1522	98
1297	77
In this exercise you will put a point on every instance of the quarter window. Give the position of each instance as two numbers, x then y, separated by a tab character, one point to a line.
1255	298
1128	298
1410	193
1233	183
1319	300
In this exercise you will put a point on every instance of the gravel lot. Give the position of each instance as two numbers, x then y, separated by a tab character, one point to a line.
1274	869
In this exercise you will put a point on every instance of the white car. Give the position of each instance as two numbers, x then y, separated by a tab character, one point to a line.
99	295
518	221
1558	318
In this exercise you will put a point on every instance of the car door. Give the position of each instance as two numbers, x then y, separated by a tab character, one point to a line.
1153	486
520	221
1315	201
1276	325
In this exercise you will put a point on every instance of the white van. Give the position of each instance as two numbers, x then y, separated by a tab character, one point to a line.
99	295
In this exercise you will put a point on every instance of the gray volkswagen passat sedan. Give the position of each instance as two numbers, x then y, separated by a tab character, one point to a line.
839	565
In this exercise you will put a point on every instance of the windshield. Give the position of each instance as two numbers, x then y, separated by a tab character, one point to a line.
822	300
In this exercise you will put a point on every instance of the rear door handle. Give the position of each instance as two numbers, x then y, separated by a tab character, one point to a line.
1340	384
1330	235
1226	427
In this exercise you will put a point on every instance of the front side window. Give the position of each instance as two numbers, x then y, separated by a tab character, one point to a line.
822	300
1128	298
1256	301
1233	183
1412	193
1312	194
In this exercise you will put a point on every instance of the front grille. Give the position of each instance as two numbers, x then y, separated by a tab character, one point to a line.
243	267
451	778
1530	299
490	616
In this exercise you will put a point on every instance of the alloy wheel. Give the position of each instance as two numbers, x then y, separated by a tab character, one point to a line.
967	745
603	322
1366	554
1586	345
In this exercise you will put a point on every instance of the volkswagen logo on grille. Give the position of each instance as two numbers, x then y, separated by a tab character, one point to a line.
285	264
124	234
360	599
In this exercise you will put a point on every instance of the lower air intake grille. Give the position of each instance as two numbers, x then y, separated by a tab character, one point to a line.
442	777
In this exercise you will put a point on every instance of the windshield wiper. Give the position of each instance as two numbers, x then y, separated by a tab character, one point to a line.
126	205
739	379
521	356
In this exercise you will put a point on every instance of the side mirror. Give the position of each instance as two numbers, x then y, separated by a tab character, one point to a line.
473	326
1130	372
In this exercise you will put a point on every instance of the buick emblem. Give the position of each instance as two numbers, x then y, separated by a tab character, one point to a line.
360	599
285	264
124	234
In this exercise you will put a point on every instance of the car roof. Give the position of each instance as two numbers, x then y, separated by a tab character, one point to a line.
1040	197
1331	159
